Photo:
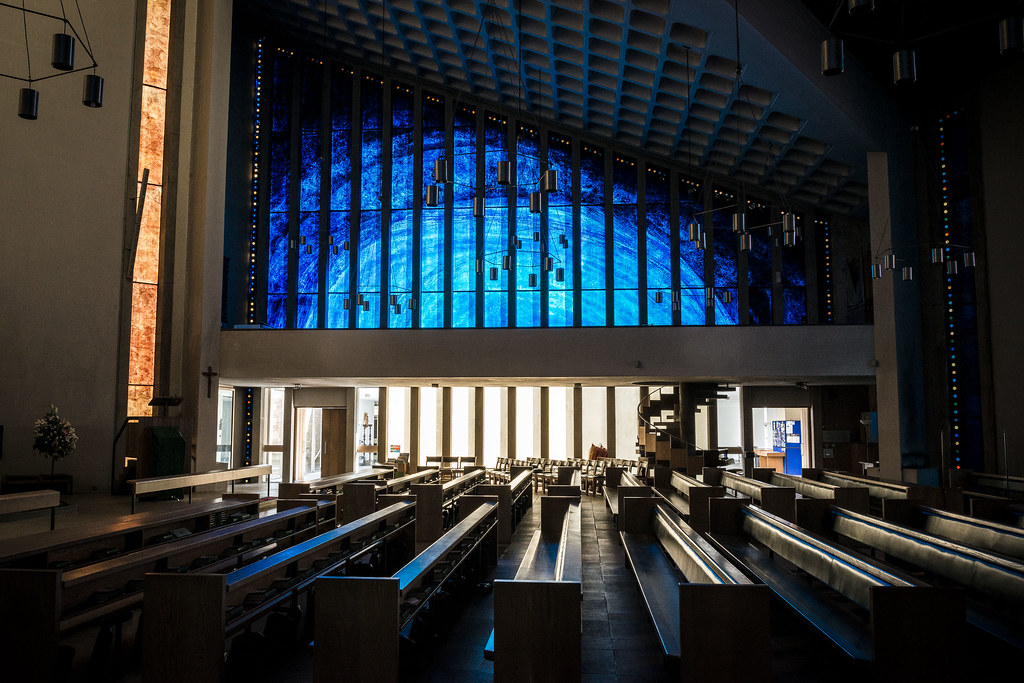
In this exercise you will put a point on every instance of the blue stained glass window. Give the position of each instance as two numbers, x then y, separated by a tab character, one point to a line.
401	267
691	306
560	234
659	255
592	237
760	305
464	132
625	266
528	263
306	312
276	310
431	303
402	175
280	135
495	250
341	169
369	269
691	257
310	113
726	258
431	308
277	273
309	252
373	171
338	271
795	303
464	267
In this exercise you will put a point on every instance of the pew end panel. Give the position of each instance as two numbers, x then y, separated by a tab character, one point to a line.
662	477
918	633
429	514
710	475
854	499
724	517
358	499
566	490
899	511
552	513
291	490
812	514
356	629
29	642
780	501
635	517
700	497
537	631
708	646
183	632
762	474
504	495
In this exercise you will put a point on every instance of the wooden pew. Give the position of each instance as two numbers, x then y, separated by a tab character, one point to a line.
538	615
106	593
905	629
360	498
852	498
687	495
197	614
568	482
879	489
994	583
993	484
976	533
436	508
700	603
778	500
194	479
329	485
27	501
86	543
514	499
619	484
367	648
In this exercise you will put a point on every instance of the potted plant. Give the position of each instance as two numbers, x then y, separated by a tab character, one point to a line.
55	438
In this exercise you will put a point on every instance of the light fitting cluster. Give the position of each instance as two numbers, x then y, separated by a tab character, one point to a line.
62	60
952	255
791	232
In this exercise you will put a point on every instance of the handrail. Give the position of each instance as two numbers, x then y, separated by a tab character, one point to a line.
650	426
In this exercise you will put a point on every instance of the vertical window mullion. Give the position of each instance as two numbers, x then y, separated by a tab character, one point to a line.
354	229
673	240
295	175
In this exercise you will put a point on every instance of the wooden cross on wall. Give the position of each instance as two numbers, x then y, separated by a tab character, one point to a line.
209	375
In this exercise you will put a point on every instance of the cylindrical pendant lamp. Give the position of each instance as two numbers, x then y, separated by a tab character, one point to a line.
478	207
504	172
739	222
494	273
559	274
856	7
694	231
63	57
938	255
1011	35
904	67
745	241
28	104
952	267
832	57
533	279
908	273
969	260
433	195
549	180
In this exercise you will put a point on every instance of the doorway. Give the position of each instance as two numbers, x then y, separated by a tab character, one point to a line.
782	438
319	443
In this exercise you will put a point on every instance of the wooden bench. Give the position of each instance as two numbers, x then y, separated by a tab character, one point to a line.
401	606
329	485
778	500
190	481
619	484
700	603
850	497
92	542
437	508
879	489
899	624
982	534
514	499
994	584
538	624
198	613
686	495
993	484
360	498
27	501
568	481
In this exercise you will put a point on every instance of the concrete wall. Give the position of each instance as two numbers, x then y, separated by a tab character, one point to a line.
1002	149
63	196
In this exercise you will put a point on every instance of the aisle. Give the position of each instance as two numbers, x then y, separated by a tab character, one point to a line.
619	643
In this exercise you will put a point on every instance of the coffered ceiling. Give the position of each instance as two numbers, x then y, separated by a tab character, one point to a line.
660	76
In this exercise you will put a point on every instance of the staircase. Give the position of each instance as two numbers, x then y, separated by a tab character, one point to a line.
660	424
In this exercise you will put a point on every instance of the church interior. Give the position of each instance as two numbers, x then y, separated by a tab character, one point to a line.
511	340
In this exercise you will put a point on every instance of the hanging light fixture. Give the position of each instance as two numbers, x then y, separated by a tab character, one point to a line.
559	274
859	7
1011	35
92	91
657	297
739	222
442	171
494	273
904	67
549	180
504	172
833	60
952	267
479	266
412	304
789	238
694	231
505	262
28	104
549	263
876	271
938	255
433	197
63	55
889	260
478	207
907	273
538	202
393	299
727	297
533	279
969	259
745	241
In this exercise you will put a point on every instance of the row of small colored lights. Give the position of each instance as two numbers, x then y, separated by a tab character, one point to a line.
247	455
826	230
254	218
951	339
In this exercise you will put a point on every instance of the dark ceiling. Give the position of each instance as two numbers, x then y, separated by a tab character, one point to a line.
661	75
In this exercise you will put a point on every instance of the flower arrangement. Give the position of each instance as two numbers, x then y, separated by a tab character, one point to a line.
55	438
